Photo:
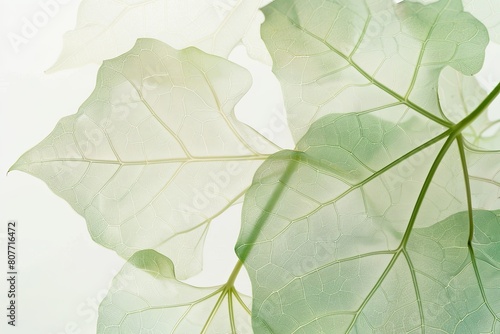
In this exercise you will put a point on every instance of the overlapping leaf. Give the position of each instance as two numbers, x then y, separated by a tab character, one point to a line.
155	153
107	28
350	56
146	297
383	219
370	226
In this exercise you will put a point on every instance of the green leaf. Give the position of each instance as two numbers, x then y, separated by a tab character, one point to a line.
155	153
340	56
145	297
106	28
372	226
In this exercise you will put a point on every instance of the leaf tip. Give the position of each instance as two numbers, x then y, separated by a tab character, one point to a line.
16	166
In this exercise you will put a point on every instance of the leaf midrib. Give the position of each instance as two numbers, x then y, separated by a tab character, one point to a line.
182	160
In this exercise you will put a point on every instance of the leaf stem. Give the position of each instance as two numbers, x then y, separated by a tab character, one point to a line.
226	290
234	274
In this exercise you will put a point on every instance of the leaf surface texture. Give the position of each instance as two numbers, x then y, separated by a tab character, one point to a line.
155	153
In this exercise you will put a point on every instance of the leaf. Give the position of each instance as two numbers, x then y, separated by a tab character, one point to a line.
108	28
340	56
489	13
385	218
146	297
155	153
365	228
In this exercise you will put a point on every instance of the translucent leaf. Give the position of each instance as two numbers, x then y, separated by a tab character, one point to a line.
145	297
155	153
107	28
339	56
376	223
253	42
488	11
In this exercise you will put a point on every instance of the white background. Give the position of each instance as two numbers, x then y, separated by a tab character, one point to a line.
63	273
